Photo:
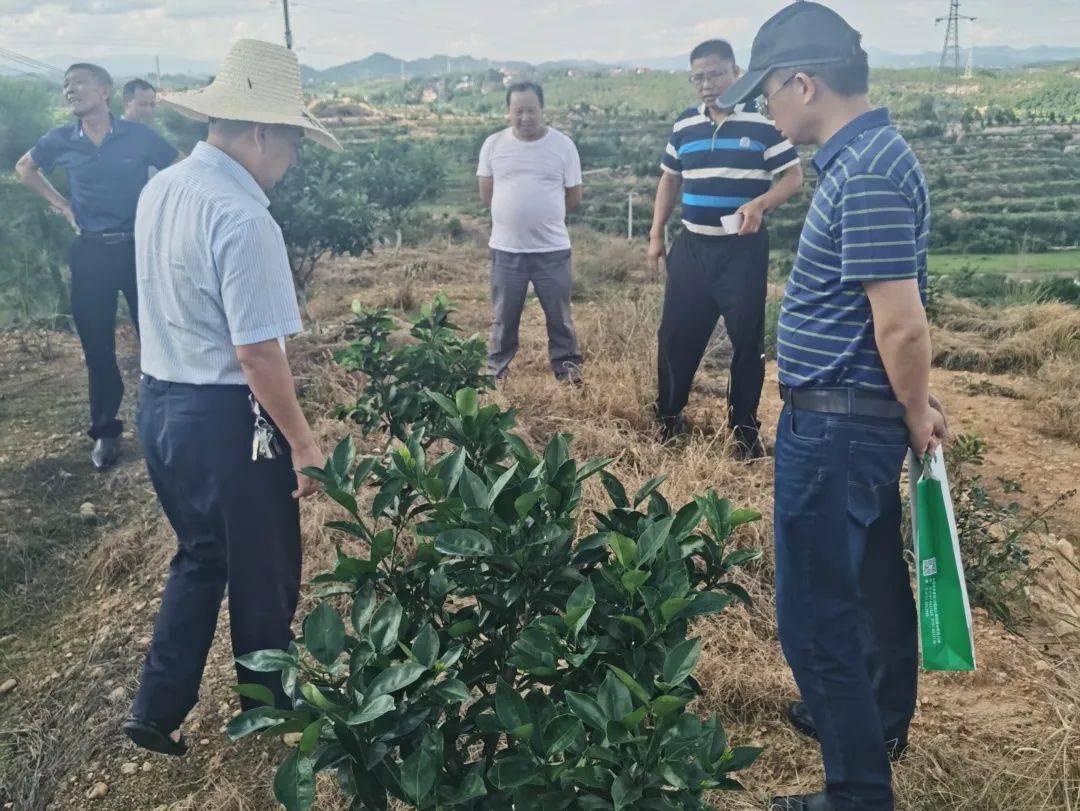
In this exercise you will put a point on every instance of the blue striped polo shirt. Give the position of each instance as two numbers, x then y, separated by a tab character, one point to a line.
869	220
723	166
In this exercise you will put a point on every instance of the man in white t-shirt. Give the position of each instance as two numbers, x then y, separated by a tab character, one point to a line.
530	176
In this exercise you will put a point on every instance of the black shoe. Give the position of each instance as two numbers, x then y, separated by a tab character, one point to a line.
799	717
105	453
801	802
671	427
148	736
748	445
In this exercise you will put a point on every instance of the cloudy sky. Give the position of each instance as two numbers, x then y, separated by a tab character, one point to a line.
328	32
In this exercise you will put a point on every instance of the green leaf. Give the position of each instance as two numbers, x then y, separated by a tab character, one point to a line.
560	732
451	468
524	503
625	549
665	705
463	628
592	467
653	538
647	488
471	788
632	684
421	769
453	690
382	544
636	717
738	592
471	490
615	490
624	791
741	556
294	783
614	698
633	579
680	661
426	646
686	520
363	607
632	621
587	709
266	661
707	602
386	495
385	624
555	455
522	733
395	678
371	709
510	707
465	400
669	609
310	736
512	772
314	696
739	758
256	692
464	543
324	634
500	484
344	455
579	606
743	516
443	402
259	718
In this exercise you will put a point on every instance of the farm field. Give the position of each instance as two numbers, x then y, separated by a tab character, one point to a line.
83	556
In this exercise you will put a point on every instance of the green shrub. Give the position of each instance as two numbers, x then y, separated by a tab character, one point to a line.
499	665
394	398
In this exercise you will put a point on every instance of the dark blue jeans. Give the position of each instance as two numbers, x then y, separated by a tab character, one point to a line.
236	525
843	594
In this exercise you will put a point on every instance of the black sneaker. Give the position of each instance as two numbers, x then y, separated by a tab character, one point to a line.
799	717
672	427
105	453
801	802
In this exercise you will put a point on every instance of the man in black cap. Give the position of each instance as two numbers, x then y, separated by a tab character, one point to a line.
854	360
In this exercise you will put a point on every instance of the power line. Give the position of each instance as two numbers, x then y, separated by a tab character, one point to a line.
29	63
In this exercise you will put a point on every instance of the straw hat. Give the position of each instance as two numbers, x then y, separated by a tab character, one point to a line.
258	82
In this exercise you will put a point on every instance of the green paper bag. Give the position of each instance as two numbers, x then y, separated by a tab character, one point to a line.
945	630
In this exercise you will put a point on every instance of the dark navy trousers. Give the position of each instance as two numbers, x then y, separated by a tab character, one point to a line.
844	605
237	527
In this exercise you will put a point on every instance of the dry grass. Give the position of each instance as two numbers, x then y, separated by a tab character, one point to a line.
1005	737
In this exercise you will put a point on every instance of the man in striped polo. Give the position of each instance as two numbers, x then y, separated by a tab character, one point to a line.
723	161
854	356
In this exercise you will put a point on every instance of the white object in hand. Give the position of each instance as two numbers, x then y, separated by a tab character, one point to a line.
732	223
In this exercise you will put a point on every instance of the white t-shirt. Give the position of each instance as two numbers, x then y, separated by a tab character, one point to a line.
528	208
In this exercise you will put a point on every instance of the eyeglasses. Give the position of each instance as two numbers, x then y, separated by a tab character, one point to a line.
762	101
708	76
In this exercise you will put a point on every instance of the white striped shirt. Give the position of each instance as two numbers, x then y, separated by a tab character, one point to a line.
213	273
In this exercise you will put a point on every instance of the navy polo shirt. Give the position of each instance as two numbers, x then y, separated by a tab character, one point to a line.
869	220
723	166
105	180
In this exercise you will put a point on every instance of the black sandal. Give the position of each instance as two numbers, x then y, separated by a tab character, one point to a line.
150	737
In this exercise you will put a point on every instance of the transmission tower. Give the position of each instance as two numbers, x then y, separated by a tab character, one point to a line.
950	52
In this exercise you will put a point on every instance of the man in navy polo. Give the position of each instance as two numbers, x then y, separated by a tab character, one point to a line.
723	161
107	161
854	357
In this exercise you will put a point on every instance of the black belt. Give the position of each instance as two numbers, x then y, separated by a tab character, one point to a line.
849	402
109	237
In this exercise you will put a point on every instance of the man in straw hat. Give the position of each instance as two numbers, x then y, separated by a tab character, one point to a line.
854	358
222	430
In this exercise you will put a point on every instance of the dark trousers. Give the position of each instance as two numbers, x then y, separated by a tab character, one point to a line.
550	274
843	596
236	525
99	271
709	277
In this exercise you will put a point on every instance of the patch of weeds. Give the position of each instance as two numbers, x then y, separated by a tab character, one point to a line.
987	388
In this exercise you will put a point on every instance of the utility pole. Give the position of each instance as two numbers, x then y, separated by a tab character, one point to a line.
288	30
950	51
157	72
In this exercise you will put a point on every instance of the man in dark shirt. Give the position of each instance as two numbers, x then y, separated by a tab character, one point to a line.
140	101
718	162
107	161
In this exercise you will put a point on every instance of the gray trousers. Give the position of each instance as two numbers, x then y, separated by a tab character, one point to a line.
550	277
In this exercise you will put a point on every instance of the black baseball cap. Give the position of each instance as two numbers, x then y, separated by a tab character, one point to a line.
803	34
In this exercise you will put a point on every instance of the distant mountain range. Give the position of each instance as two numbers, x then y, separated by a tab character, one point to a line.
383	65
